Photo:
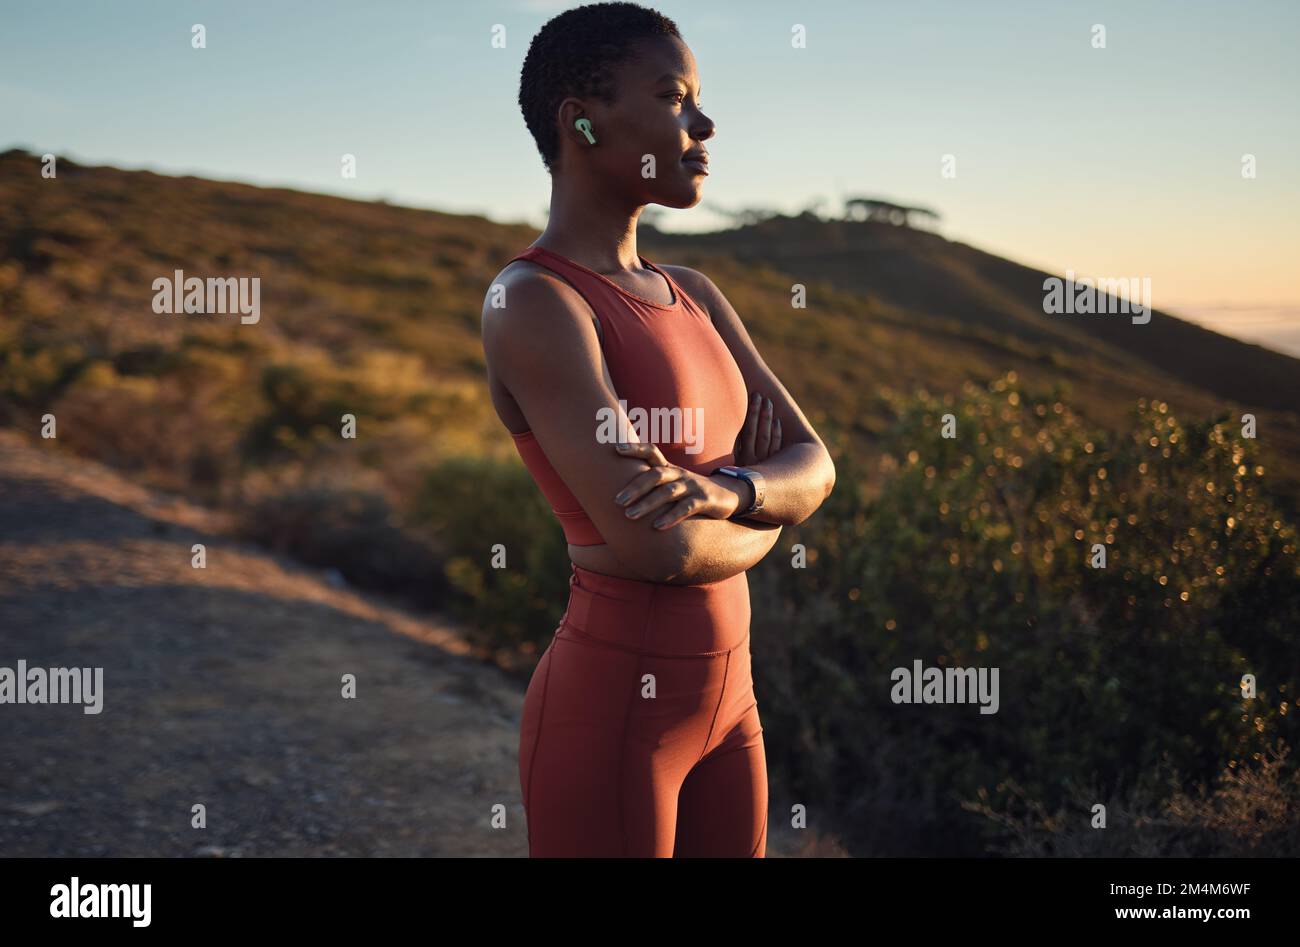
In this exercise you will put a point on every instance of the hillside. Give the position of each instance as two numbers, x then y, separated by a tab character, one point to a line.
909	309
921	271
972	549
387	298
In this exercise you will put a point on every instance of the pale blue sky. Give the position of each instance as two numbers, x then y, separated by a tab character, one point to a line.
1121	161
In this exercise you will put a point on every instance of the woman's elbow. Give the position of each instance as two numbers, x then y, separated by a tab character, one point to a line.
827	485
669	554
660	557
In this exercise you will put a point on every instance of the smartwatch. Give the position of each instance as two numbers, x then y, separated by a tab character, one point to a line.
755	481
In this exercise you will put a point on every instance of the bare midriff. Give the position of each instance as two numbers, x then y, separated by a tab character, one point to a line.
600	558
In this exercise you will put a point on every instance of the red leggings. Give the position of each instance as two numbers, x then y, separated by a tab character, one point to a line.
640	734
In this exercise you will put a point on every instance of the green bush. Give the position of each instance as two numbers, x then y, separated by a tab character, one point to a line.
975	553
353	530
1252	810
477	510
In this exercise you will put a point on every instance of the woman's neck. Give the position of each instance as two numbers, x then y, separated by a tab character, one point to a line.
596	230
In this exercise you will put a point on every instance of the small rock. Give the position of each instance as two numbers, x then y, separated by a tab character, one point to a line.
215	851
44	807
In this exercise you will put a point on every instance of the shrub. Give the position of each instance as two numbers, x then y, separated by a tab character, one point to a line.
477	509
975	553
351	529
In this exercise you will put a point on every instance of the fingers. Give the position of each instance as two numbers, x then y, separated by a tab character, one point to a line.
649	452
679	511
663	495
750	429
760	436
658	472
742	452
738	452
763	439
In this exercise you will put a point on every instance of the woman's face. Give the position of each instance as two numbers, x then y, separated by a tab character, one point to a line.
643	140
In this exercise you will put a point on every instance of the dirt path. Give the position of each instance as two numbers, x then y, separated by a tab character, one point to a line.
222	687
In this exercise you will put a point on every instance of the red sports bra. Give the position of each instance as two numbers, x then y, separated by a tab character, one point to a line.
660	357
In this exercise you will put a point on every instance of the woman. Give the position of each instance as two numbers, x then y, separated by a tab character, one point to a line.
640	733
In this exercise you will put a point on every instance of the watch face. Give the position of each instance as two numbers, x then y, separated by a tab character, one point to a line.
751	477
756	481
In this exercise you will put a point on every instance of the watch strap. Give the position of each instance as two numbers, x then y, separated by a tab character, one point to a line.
755	481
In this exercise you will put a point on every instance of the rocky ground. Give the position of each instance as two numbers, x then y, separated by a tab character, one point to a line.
223	688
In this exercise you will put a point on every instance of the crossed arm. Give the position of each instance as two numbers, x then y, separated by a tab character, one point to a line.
801	475
544	348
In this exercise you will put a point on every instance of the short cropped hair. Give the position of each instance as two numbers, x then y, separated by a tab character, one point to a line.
575	53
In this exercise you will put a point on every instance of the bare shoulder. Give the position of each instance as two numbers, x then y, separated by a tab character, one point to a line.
535	281
699	286
525	292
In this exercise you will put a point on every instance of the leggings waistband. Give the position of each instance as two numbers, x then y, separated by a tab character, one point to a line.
658	618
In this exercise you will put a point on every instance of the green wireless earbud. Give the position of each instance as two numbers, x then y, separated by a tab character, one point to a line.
584	125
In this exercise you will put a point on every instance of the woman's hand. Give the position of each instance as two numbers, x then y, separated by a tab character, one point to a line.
682	491
760	436
692	494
